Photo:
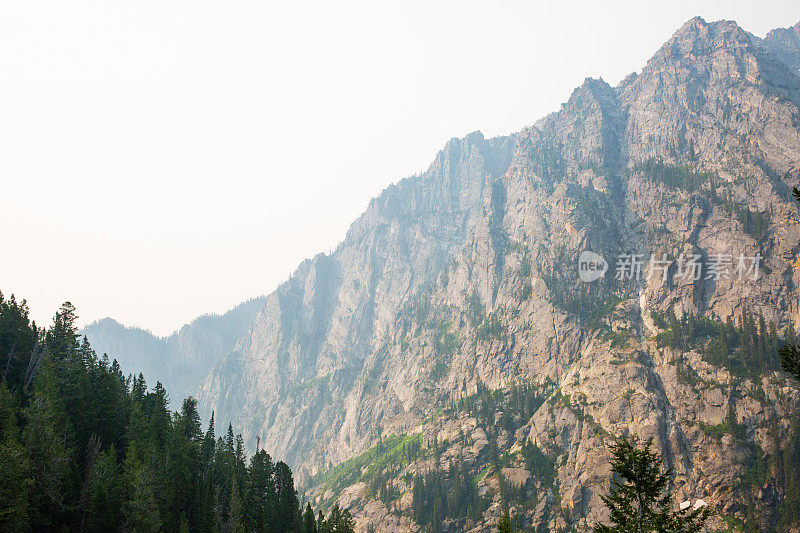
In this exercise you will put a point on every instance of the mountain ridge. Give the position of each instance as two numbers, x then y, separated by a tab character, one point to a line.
179	360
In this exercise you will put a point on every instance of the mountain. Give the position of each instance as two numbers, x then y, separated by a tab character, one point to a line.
447	363
785	44
181	360
318	329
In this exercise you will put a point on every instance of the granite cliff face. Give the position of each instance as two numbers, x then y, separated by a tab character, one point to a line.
286	379
449	333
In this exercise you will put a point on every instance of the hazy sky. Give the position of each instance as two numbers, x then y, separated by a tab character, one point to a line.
160	160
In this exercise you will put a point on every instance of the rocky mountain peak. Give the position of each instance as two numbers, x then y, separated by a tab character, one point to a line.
785	43
706	74
592	92
718	51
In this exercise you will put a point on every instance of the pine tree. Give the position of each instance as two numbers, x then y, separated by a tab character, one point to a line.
156	408
62	338
639	499
322	527
18	338
185	469
237	518
287	498
102	493
48	443
191	420
309	524
139	390
790	360
338	521
261	495
346	523
140	508
14	468
504	524
223	469
229	438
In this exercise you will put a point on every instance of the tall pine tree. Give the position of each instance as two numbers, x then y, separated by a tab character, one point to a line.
640	500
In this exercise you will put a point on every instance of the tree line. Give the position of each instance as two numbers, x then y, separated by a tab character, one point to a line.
747	347
85	448
438	495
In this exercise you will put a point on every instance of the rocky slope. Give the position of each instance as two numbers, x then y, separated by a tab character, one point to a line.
446	362
316	330
179	361
785	44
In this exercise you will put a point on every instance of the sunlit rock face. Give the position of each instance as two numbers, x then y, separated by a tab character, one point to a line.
464	280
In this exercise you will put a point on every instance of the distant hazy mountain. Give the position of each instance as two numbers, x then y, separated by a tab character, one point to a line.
181	360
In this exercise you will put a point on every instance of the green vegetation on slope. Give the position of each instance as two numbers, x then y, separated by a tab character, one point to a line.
390	453
747	348
673	176
452	494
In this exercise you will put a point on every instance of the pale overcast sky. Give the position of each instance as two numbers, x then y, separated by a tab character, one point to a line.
164	159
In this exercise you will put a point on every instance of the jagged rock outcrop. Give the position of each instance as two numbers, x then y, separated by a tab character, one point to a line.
311	339
785	44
